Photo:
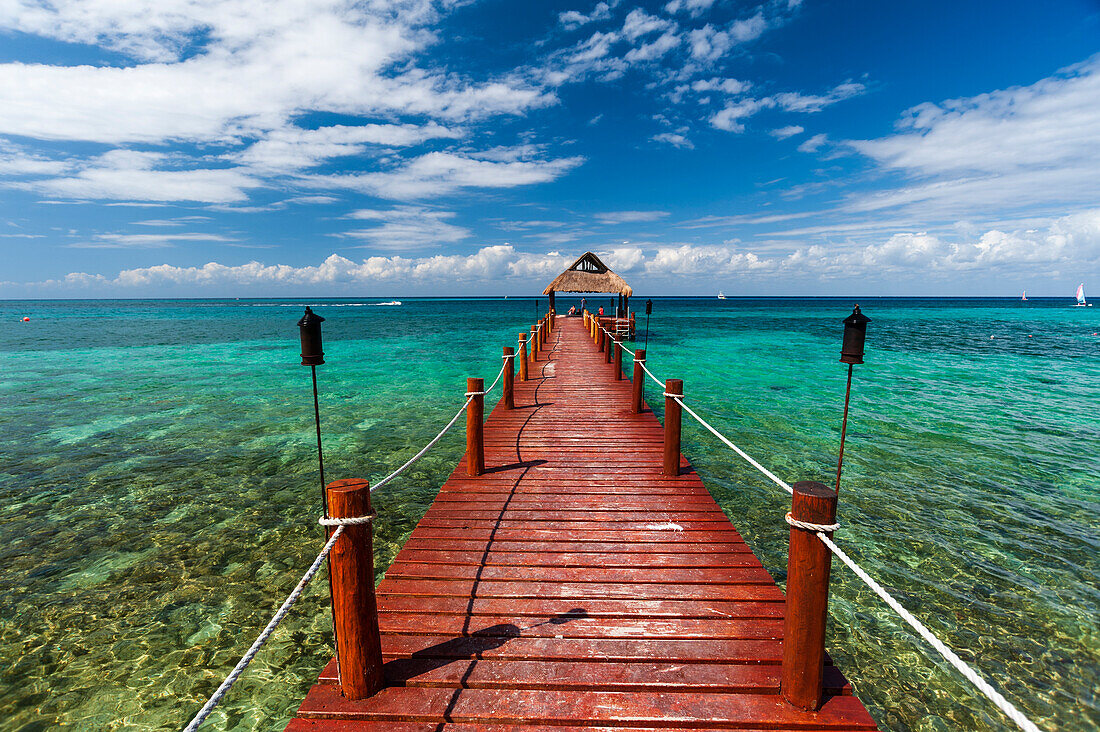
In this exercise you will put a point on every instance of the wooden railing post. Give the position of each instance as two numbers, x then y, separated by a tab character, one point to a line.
600	337
509	378
354	608
638	383
808	565
672	426
618	361
475	428
522	356
609	346
534	341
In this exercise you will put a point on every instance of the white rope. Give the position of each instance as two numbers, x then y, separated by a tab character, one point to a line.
264	635
651	375
497	380
677	397
424	450
810	526
349	521
970	674
775	479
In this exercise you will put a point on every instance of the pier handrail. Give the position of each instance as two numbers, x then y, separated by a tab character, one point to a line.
339	523
1007	707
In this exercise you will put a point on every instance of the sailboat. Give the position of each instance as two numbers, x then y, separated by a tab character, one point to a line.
1081	296
1024	296
721	295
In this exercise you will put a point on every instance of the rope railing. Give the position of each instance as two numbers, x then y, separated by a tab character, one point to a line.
340	523
949	655
250	654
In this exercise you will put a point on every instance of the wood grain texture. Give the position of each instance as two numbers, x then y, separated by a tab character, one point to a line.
576	585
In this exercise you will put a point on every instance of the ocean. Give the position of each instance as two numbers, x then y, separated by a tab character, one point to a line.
159	487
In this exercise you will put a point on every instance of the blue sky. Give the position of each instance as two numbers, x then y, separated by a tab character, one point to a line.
405	147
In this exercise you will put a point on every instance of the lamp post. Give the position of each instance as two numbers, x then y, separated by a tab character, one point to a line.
851	353
313	356
648	312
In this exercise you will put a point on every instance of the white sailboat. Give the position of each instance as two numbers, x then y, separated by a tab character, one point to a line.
1024	296
721	295
1081	296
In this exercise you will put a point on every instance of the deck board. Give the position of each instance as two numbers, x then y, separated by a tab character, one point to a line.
574	586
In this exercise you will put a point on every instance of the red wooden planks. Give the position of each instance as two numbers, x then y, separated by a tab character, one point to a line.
573	585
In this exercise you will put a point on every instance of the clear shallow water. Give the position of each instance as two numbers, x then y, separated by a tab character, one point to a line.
158	487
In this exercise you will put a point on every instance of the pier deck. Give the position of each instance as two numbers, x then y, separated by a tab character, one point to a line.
573	585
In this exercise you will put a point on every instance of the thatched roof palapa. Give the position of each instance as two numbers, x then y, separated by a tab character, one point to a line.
589	274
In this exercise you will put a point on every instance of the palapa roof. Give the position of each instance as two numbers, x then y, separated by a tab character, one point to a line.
589	274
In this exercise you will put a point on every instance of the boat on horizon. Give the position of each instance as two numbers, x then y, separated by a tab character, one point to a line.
1024	296
721	295
1081	297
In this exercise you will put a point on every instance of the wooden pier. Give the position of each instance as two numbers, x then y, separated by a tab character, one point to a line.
573	584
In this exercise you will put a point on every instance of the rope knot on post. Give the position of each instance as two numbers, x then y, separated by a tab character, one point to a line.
825	528
348	521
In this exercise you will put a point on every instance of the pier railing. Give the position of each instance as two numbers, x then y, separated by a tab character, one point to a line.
812	521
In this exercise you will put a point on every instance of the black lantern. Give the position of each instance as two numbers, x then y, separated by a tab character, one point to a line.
855	331
648	307
310	327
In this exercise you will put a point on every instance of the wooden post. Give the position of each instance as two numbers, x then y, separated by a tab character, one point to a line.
534	341
672	426
633	332
618	361
638	383
522	356
600	337
808	565
509	377
475	429
609	346
354	609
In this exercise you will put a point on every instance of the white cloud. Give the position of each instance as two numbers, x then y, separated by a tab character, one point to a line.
708	44
292	148
1055	250
797	102
727	86
674	139
629	217
145	241
812	144
694	7
729	118
135	176
233	75
639	23
789	131
439	173
573	19
654	50
1034	147
407	227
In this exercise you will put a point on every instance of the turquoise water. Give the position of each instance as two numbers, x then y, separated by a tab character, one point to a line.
158	487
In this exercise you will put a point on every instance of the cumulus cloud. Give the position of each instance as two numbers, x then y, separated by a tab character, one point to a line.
1052	250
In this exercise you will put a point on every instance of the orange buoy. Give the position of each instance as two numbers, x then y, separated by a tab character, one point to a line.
26	320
